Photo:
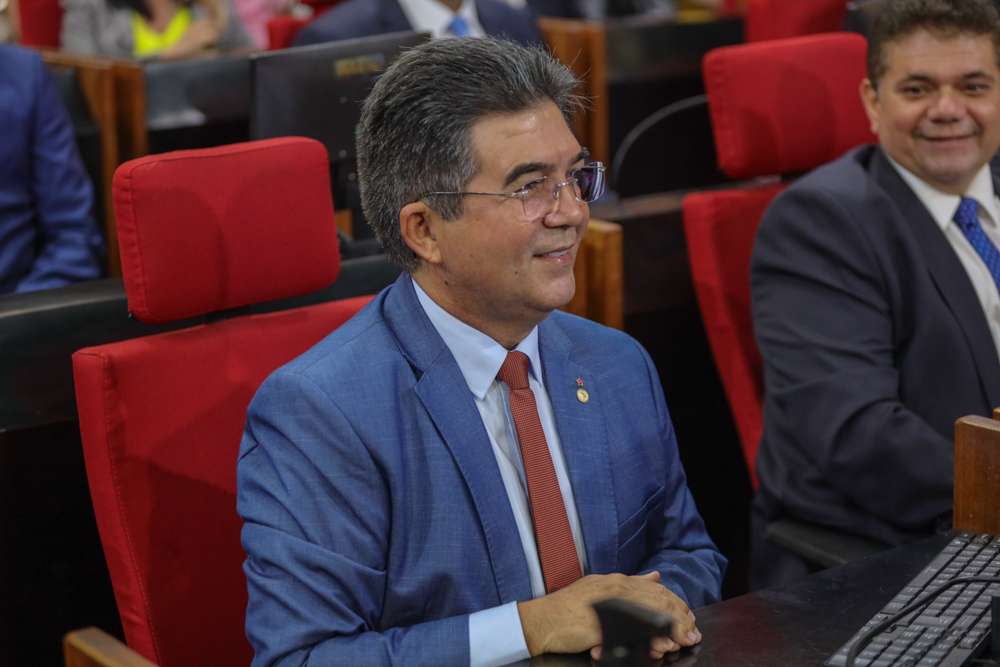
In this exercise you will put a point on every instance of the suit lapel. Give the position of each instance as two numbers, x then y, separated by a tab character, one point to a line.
584	441
444	393
948	274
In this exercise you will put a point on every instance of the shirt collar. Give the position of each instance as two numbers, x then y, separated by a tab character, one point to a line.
942	206
479	357
433	17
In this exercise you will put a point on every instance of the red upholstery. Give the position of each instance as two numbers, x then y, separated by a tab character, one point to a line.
786	106
776	107
161	416
780	19
281	30
214	229
41	23
720	229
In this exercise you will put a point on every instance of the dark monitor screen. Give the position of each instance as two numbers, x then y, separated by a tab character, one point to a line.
316	91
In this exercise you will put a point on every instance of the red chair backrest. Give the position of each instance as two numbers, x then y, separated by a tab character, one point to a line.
161	416
41	23
781	19
778	107
281	30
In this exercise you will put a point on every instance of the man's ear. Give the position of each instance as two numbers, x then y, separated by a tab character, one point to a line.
416	225
869	97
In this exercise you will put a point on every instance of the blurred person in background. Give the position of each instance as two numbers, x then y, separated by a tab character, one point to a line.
48	236
163	29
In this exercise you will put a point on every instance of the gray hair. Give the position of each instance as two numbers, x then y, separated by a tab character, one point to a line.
415	130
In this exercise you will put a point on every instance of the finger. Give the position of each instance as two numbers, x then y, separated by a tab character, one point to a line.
662	645
653	576
595	652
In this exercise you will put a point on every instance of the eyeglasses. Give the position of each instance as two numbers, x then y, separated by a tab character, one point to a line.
540	199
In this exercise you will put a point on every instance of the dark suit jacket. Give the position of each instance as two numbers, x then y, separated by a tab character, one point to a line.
874	343
365	18
375	516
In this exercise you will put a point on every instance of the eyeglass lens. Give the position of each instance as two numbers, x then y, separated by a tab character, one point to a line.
587	183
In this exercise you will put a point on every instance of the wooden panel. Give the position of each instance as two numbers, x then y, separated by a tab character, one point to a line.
91	647
582	47
600	292
977	474
130	99
605	282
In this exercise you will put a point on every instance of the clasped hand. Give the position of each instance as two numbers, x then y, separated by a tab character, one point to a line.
565	621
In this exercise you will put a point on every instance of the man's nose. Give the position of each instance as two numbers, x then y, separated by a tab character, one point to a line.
568	210
949	106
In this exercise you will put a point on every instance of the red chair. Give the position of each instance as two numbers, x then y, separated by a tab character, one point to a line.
41	23
281	30
781	19
777	108
202	232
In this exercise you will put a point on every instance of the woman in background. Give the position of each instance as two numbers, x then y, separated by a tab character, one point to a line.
150	28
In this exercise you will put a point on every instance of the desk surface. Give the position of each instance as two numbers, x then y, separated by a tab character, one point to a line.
799	624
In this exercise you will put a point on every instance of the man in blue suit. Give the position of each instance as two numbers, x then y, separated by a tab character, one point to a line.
48	236
389	478
441	18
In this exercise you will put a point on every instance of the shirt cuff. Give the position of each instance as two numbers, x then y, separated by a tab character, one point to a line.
496	637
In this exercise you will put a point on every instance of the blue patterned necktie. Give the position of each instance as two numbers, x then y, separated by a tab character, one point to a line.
968	221
458	27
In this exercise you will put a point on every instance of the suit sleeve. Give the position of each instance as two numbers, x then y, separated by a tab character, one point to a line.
688	561
70	243
316	524
822	303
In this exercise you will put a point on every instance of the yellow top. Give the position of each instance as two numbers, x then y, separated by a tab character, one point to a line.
148	42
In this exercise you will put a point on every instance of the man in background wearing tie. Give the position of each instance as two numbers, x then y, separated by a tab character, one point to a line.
441	18
456	474
875	293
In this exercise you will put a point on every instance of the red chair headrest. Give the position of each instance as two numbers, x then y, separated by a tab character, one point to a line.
218	228
787	105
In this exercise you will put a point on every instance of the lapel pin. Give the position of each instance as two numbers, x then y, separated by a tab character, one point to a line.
581	393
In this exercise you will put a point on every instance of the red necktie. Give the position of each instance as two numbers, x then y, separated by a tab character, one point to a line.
560	564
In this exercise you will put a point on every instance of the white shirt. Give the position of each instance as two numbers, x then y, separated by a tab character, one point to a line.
942	208
495	635
433	17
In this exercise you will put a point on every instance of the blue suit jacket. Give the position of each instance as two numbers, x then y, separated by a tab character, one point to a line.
365	18
48	237
375	516
874	343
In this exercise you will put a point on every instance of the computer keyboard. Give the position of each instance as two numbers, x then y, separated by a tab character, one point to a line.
953	628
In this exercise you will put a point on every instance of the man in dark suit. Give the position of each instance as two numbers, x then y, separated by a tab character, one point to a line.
455	475
875	295
442	18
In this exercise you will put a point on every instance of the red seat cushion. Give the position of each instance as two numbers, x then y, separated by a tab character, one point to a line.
281	30
41	23
213	229
786	106
720	227
161	419
781	19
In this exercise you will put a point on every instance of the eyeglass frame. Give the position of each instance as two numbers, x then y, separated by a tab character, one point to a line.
556	189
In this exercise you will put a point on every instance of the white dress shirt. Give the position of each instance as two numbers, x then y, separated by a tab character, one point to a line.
433	17
942	208
495	635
